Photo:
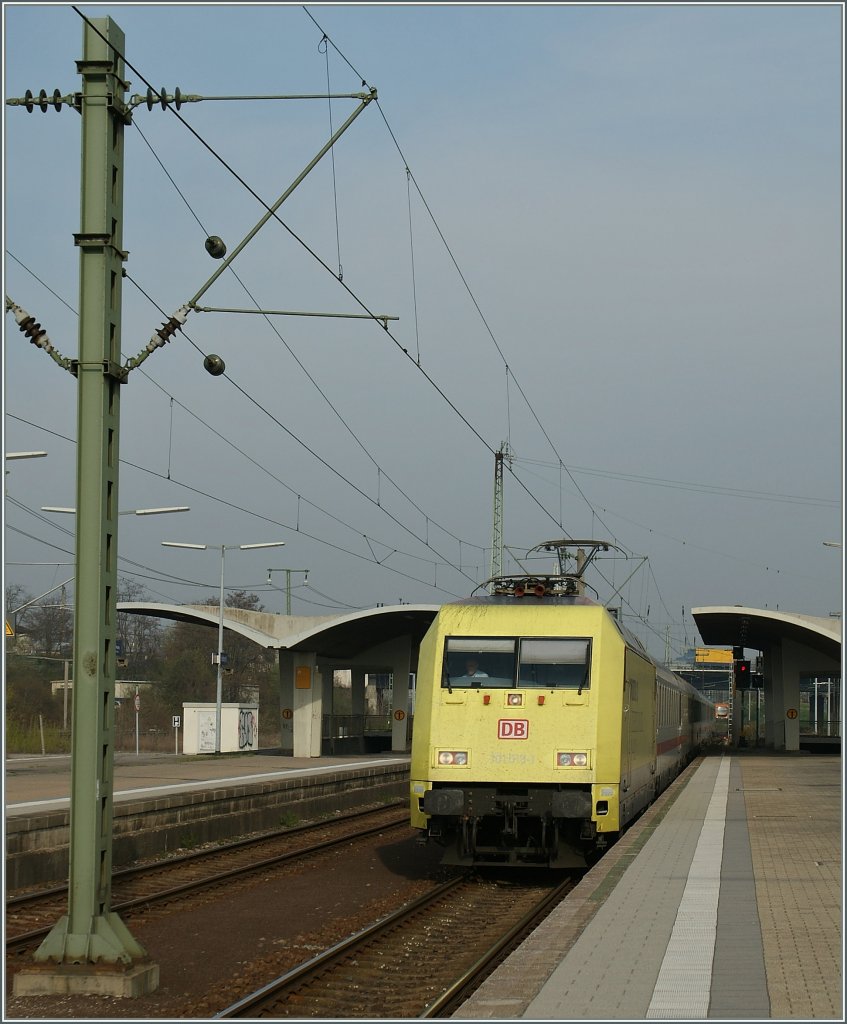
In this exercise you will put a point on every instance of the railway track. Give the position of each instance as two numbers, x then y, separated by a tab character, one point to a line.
420	961
30	916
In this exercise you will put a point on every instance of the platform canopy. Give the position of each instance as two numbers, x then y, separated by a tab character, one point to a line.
348	635
761	629
331	636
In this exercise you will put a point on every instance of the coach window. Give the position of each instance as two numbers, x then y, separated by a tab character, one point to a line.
478	662
555	663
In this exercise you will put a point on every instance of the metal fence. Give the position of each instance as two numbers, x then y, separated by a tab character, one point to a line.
344	726
829	728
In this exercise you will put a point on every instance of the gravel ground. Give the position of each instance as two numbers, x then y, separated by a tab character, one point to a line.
211	955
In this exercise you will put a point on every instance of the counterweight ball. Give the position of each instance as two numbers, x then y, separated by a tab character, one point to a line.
215	247
214	365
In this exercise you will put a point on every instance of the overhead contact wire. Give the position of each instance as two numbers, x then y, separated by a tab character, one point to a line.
308	249
362	304
258	515
233	445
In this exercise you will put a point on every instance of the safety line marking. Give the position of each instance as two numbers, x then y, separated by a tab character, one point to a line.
683	987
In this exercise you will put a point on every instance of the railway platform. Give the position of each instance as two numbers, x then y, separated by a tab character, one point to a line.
34	784
723	901
163	802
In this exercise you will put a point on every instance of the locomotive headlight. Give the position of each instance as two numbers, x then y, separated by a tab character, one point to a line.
570	759
514	700
457	757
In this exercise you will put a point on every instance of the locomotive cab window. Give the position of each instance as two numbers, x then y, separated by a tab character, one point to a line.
506	662
555	663
479	661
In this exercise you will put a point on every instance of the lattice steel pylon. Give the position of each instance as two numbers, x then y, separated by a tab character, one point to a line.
503	453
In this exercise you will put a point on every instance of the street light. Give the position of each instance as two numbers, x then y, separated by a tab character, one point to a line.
72	511
130	512
9	456
288	573
224	548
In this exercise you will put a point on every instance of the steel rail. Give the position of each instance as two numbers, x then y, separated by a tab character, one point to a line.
456	991
17	942
13	902
254	999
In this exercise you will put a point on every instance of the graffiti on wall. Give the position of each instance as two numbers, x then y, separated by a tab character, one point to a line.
247	730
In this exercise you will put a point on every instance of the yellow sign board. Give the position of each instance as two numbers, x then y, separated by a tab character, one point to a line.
9	630
713	656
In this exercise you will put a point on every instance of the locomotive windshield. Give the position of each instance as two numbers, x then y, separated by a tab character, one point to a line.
554	663
507	662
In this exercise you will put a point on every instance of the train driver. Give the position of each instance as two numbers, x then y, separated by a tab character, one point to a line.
472	670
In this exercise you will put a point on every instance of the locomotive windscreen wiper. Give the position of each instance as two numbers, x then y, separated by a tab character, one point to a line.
584	681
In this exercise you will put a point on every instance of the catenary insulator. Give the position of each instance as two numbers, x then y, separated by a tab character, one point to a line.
33	330
168	329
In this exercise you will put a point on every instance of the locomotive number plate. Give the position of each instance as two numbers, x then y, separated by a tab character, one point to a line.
512	729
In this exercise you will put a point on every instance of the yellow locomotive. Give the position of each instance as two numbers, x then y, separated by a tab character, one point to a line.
542	725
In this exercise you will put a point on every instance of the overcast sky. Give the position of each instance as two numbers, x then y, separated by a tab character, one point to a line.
612	236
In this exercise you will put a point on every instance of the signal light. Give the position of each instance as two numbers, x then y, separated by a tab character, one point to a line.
742	674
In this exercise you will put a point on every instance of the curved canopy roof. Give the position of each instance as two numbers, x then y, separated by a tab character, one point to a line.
760	628
331	636
348	635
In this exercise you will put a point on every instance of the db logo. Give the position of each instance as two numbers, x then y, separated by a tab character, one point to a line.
512	729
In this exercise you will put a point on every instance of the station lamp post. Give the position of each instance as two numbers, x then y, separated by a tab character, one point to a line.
224	548
11	456
25	455
129	512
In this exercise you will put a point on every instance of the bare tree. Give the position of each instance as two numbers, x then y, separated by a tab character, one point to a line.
140	637
50	626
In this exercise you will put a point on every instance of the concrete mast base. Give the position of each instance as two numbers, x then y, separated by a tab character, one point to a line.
87	979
